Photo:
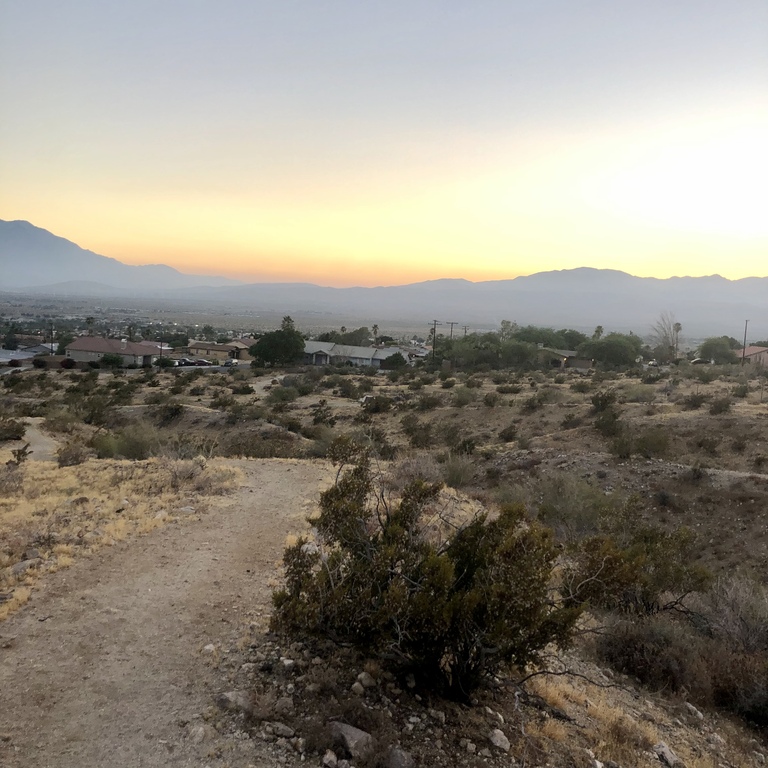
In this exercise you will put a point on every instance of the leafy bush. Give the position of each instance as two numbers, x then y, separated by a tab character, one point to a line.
509	433
452	613
694	401
458	471
463	396
740	390
12	429
39	362
72	453
720	405
603	400
491	399
509	389
377	404
429	401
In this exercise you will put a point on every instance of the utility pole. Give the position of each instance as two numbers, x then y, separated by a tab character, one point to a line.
744	348
51	336
434	338
466	328
448	322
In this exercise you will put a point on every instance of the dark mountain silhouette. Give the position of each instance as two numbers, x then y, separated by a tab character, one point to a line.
35	261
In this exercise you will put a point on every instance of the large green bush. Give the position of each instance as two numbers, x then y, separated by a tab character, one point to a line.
449	611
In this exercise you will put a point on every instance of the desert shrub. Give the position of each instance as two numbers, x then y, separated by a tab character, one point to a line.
39	362
491	399
448	383
322	414
377	404
640	393
662	653
134	442
458	471
415	386
573	508
429	401
451	613
694	401
157	398
462	396
707	443
282	395
304	385
348	389
60	421
583	386
509	433
11	479
603	400
642	570
272	444
509	389
740	390
73	453
241	389
622	445
608	423
571	421
222	400
197	391
720	405
532	403
12	429
652	442
166	414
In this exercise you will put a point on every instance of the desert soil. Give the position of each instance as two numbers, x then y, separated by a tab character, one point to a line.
106	665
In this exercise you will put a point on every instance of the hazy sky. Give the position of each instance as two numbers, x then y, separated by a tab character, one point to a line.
377	143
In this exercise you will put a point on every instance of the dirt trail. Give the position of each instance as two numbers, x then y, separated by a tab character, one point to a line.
42	446
104	667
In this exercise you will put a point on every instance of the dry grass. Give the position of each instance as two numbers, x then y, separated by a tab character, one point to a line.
53	515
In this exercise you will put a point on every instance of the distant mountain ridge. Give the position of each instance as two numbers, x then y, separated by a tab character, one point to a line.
33	260
31	257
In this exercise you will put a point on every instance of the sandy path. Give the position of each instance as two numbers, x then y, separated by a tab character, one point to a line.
104	667
42	446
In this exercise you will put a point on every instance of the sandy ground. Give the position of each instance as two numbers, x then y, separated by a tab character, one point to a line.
105	666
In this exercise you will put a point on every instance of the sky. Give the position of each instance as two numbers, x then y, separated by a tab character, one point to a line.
358	143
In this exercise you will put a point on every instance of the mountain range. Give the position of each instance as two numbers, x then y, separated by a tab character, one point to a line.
34	261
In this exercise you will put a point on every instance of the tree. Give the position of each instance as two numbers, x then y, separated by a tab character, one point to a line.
598	333
89	321
63	340
718	349
614	350
393	361
111	360
665	336
279	347
451	610
375	332
208	332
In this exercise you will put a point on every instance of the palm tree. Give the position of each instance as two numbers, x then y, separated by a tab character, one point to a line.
598	333
375	330
89	321
677	328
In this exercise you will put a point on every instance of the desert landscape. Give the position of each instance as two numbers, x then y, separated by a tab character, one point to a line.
144	514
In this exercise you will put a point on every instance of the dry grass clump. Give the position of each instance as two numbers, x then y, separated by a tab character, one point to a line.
50	515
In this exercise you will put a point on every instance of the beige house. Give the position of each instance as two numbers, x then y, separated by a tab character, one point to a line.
88	349
755	355
236	350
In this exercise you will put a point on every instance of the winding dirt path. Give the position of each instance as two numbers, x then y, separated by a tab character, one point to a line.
105	666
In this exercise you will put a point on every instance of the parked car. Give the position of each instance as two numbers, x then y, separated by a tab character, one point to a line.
229	363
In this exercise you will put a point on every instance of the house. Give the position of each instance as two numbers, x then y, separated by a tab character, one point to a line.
237	349
86	349
328	353
157	347
755	355
564	358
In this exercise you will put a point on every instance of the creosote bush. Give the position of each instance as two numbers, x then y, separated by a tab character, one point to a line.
450	611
